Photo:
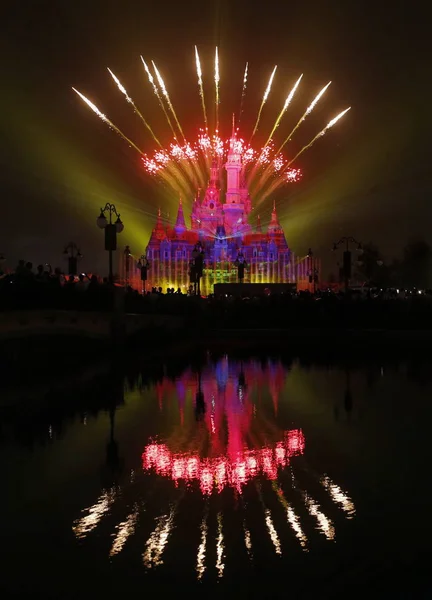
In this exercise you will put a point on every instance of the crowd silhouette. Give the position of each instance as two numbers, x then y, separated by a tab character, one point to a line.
46	289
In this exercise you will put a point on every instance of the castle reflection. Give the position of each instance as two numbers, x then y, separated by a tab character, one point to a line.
221	435
233	456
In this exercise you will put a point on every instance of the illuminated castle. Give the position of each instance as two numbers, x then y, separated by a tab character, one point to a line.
222	227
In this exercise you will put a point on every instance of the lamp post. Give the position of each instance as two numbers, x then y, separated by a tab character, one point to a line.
313	272
127	254
111	231
73	254
347	240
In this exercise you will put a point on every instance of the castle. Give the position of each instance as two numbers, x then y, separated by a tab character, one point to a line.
223	229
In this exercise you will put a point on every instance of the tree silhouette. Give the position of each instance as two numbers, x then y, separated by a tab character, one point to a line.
370	266
416	264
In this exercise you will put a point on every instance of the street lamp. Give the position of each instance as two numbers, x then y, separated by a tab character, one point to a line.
127	254
347	256
111	231
73	254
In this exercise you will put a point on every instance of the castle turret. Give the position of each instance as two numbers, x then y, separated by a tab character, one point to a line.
233	168
180	225
274	226
258	225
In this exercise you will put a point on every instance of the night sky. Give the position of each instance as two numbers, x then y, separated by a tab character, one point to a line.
368	177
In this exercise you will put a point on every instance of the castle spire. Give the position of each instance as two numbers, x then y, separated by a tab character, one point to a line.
258	226
180	225
274	225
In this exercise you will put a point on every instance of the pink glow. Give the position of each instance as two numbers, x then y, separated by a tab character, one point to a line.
221	471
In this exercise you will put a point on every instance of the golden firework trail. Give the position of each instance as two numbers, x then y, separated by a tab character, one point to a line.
217	79
159	97
137	111
264	100
105	119
168	100
275	126
284	109
306	113
318	135
243	94
279	181
200	85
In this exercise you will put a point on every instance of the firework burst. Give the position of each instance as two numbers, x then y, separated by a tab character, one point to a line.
184	164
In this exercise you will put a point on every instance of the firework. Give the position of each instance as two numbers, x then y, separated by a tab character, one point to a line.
243	94
216	80
184	165
320	134
264	100
166	95
137	111
159	97
200	85
306	113
105	119
287	170
284	109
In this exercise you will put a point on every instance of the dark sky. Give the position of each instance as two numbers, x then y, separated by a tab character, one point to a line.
59	163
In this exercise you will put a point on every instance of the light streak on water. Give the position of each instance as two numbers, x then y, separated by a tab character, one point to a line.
124	530
83	526
272	532
155	545
339	496
200	566
220	566
325	525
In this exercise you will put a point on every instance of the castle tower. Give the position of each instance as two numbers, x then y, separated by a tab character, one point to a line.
235	214
233	168
180	225
274	226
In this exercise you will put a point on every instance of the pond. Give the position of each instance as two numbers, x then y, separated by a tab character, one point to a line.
237	473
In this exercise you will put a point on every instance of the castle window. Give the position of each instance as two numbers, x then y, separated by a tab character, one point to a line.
255	253
212	205
271	255
184	253
166	253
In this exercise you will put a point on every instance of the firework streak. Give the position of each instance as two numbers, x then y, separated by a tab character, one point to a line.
184	165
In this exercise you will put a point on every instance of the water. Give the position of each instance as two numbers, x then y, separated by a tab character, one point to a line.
232	474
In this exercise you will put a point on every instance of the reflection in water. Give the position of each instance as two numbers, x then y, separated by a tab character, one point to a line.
338	496
94	513
221	471
226	439
272	531
248	541
220	566
324	524
155	545
292	518
200	566
124	530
